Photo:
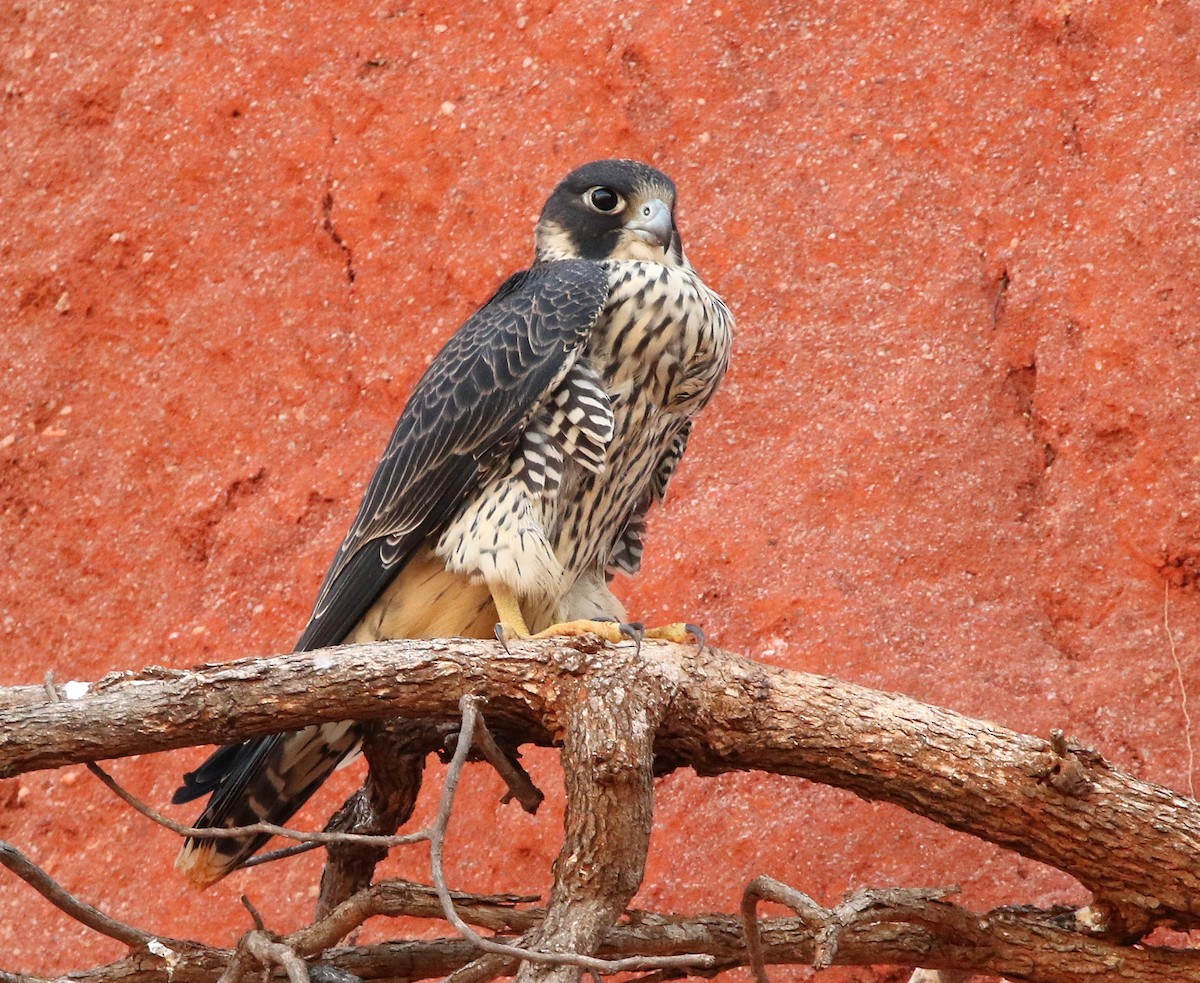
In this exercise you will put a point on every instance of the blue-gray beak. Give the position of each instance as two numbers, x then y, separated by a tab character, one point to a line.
653	223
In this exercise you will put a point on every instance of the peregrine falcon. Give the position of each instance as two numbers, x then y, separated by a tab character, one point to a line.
519	475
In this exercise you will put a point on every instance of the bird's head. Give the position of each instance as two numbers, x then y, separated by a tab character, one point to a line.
611	209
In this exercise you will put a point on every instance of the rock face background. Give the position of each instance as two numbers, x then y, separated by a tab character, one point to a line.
957	455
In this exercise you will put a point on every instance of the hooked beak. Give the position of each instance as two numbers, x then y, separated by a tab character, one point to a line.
653	223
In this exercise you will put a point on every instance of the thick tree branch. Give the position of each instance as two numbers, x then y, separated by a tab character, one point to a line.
1132	843
395	753
1016	944
608	765
580	909
622	716
902	927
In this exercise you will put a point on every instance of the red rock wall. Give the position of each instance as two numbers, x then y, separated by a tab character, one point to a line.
956	456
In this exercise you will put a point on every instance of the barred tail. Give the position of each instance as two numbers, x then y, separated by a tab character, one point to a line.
267	779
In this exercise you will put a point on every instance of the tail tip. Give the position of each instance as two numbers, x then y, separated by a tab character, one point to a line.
200	865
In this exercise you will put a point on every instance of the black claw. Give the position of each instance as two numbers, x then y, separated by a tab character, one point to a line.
501	634
635	631
698	634
607	618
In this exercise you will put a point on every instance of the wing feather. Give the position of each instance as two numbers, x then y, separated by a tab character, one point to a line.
467	409
626	554
465	412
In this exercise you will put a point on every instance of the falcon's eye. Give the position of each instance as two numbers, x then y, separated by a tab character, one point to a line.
603	200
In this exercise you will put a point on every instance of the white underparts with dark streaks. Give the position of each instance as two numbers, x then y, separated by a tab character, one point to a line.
559	512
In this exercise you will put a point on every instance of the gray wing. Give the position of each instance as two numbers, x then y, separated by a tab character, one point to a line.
466	412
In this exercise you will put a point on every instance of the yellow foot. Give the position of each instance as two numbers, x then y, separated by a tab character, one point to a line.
512	625
610	631
508	609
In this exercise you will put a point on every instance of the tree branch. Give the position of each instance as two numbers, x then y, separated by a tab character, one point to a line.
1132	843
1017	944
495	912
583	905
608	768
52	891
395	753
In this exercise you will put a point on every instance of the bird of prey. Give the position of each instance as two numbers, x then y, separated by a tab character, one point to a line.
518	477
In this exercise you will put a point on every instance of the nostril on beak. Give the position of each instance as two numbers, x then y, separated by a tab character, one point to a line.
653	222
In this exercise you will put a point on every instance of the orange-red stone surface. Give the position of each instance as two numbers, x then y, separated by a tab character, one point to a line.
957	455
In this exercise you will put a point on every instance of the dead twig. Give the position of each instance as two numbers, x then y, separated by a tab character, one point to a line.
520	786
281	854
62	899
312	839
255	916
1183	693
826	924
267	951
265	948
404	898
765	888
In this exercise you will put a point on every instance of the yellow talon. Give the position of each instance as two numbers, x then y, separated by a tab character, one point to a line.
677	632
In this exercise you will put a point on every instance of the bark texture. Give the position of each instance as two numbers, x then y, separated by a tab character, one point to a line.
623	714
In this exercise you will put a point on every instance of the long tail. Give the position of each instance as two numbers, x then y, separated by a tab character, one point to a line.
267	779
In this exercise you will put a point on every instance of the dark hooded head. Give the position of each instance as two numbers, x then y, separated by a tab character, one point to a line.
611	209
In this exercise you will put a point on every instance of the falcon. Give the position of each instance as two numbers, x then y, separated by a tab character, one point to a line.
519	476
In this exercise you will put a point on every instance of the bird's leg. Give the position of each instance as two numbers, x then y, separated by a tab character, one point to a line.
678	632
610	631
508	610
512	621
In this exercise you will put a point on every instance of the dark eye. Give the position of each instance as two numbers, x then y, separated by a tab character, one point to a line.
603	200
